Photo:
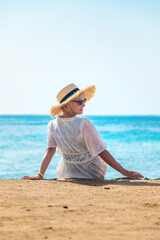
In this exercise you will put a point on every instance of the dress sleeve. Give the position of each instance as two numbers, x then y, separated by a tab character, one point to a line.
93	140
51	140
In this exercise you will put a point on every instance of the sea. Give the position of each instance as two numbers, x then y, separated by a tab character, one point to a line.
134	141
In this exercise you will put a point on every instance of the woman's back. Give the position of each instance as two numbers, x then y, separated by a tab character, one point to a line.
74	136
67	134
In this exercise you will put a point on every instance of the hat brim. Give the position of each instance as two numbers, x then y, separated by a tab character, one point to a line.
88	92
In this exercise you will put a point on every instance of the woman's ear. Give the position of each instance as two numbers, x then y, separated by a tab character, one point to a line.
63	107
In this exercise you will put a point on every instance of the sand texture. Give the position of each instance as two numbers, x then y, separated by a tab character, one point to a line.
83	209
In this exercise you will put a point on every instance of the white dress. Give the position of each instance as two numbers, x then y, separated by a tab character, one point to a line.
79	143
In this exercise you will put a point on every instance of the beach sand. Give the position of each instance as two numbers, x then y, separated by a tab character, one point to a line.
83	209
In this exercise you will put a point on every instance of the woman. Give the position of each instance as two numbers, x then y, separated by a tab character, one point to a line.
76	139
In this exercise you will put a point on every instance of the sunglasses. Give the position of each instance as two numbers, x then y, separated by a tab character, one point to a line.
80	101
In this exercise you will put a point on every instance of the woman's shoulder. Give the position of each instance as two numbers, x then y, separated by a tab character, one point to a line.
84	121
52	122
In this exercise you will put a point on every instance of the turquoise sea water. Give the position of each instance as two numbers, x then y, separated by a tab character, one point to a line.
134	141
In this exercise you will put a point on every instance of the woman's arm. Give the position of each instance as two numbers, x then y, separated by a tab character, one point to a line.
44	164
109	159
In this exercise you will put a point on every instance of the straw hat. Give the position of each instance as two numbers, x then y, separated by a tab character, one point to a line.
68	93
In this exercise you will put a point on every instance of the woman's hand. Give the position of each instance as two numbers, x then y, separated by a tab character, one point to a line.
132	174
37	177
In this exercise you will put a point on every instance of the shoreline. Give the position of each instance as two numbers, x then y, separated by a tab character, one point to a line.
80	209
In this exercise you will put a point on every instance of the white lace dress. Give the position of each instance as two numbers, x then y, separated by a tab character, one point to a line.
79	143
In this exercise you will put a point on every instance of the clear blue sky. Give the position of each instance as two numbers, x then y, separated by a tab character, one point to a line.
47	44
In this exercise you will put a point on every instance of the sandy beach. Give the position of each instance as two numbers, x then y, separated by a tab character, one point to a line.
80	209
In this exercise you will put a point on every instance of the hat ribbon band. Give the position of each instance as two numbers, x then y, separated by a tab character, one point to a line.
69	94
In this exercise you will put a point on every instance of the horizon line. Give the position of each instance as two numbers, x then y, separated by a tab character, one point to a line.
109	115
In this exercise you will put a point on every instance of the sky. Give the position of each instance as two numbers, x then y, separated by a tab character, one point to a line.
113	44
